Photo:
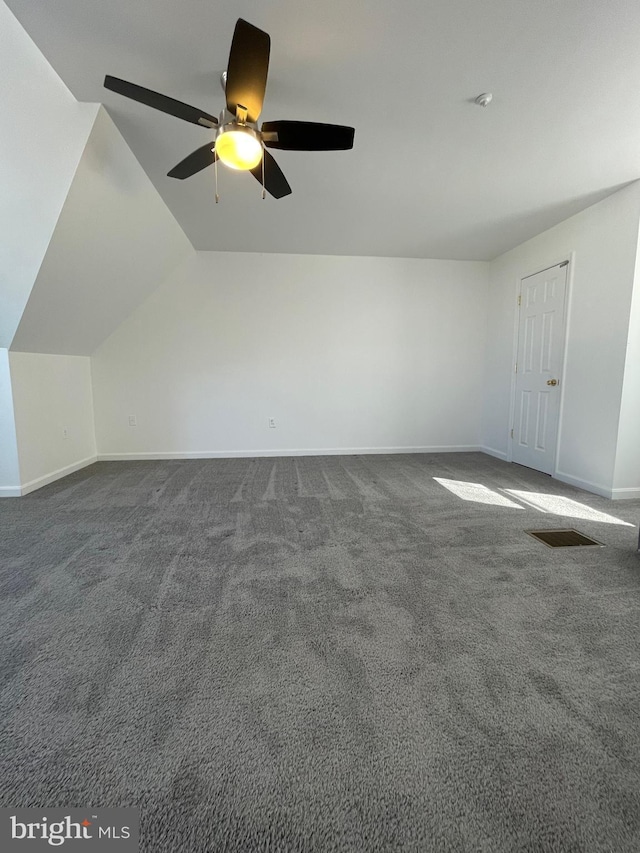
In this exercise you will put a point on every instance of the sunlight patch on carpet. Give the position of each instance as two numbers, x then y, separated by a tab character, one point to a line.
476	492
567	507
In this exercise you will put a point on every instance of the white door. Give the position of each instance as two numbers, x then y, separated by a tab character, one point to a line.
538	368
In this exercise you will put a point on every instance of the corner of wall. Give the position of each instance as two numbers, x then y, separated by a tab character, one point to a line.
10	485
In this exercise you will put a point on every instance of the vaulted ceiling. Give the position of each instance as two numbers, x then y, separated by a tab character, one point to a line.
431	174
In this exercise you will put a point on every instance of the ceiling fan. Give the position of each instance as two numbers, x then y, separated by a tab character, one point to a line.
239	143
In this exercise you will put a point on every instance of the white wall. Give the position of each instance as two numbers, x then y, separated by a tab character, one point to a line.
603	239
9	466
346	353
114	242
627	468
52	393
43	131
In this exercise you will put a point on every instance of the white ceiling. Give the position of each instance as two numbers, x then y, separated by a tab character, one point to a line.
431	174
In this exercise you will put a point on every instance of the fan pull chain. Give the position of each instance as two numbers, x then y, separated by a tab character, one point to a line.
215	168
264	195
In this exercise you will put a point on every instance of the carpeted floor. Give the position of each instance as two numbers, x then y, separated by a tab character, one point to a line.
324	654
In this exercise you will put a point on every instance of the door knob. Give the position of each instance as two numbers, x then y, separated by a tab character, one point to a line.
552	381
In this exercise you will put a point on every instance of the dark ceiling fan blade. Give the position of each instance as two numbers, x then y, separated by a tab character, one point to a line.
195	162
159	102
247	69
308	136
275	182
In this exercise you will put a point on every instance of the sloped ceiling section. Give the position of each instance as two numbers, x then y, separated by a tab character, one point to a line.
43	131
114	242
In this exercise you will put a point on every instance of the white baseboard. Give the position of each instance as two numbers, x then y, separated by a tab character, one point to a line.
56	475
629	494
327	451
493	452
10	492
587	485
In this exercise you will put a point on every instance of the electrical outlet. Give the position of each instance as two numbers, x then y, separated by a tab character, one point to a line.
133	420
272	423
65	433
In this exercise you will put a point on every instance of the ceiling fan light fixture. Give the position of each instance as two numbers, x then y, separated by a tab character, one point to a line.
239	144
239	147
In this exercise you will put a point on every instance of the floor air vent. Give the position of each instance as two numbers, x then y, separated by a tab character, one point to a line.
562	538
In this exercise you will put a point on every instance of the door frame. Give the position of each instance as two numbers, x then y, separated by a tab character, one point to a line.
569	257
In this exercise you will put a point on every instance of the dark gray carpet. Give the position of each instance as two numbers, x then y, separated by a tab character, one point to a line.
321	654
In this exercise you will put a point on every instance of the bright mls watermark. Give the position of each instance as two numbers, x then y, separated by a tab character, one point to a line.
70	829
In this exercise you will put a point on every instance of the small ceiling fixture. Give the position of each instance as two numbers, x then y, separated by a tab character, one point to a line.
239	143
484	100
